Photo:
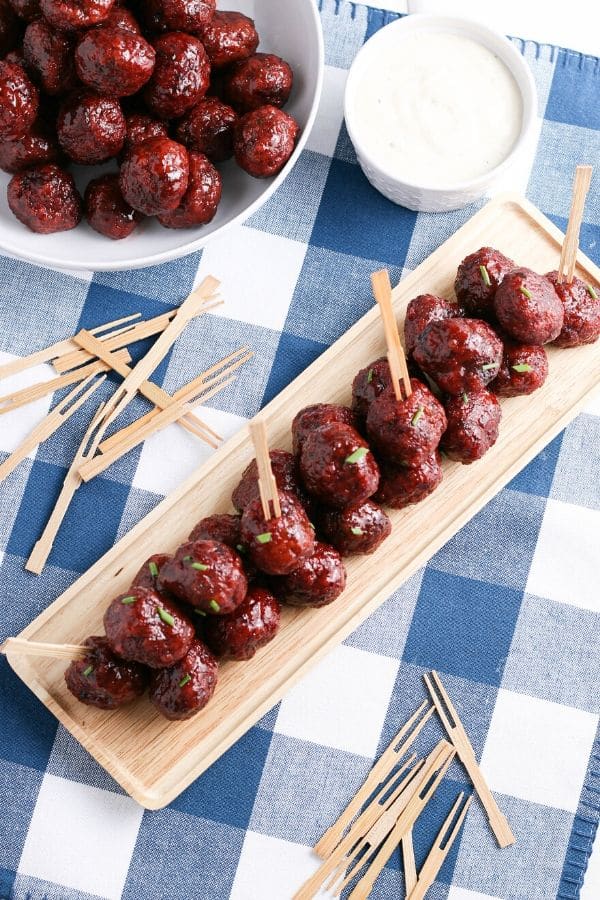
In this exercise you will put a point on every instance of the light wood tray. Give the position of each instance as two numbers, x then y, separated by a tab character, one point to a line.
154	760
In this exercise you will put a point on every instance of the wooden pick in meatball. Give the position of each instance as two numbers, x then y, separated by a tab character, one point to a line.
473	423
145	626
316	582
185	688
337	466
102	679
402	486
208	575
277	546
252	625
368	384
459	354
581	304
284	469
408	430
358	528
528	308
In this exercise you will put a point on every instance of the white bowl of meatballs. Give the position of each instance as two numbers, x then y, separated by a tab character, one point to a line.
131	133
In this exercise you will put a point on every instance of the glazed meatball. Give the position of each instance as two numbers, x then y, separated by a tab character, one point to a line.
459	354
181	75
284	469
358	528
140	127
368	384
70	15
402	486
145	626
35	148
45	199
253	624
337	466
222	527
49	55
409	430
524	369
114	61
477	278
106	210
229	37
154	175
420	312
581	304
317	581
315	416
9	27
528	308
199	204
179	15
473	422
259	80
277	546
102	679
19	101
26	9
264	140
148	574
208	128
90	128
185	688
206	574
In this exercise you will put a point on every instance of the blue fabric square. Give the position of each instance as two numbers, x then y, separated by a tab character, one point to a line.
536	477
169	283
7	879
589	236
293	355
28	729
430	822
574	93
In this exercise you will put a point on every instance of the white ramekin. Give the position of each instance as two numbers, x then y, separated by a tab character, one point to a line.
424	197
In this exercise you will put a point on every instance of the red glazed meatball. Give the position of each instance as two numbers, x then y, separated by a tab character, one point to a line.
358	528
264	140
208	128
284	469
277	546
199	204
35	148
528	308
90	128
145	626
19	101
368	384
473	422
140	127
106	210
149	572
222	527
229	37
119	17
259	80
581	304
524	369
182	690
114	61
181	75
318	580
70	15
337	466
477	278
45	199
459	354
178	15
26	9
406	431
420	312
101	679
402	486
314	416
208	575
154	175
49	55
253	624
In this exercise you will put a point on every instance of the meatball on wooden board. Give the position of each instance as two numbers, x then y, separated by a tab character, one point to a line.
153	759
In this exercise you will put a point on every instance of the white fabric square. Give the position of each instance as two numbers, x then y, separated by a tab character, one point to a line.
81	837
331	112
341	702
565	563
591	880
537	750
458	893
24	419
270	868
258	274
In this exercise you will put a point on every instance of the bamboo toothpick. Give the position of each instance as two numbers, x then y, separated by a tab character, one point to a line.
267	485
568	255
440	850
382	291
408	861
22	647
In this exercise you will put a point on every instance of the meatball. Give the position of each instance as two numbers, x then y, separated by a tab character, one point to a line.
206	574
185	688
317	581
106	210
473	422
581	304
102	679
145	626
26	9
199	204
229	37
19	101
35	148
524	369
358	528
259	80
154	175
45	199
477	278
114	61
9	27
90	128
119	17
264	140
208	128
406	431
528	308
459	354
49	55
181	75
337	466
222	527
178	15
420	312
253	624
277	546
284	469
368	384
314	416
148	574
70	15
402	486
140	127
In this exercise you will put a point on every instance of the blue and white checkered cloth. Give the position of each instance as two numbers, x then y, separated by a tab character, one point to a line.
508	611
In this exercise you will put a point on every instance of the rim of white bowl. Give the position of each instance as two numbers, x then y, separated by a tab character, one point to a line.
471	28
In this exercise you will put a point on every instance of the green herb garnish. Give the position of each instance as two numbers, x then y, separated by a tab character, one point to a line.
128	600
153	569
525	292
488	366
417	415
264	538
522	367
188	558
312	526
166	616
485	276
369	376
215	606
241	549
88	671
465	398
358	454
200	612
185	680
356	530
199	566
591	291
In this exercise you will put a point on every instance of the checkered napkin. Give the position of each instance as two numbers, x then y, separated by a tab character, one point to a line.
507	611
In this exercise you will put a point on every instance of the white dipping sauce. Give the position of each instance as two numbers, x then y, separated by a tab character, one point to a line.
437	108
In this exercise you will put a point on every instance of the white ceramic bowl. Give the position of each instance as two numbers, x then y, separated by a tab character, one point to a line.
292	29
430	197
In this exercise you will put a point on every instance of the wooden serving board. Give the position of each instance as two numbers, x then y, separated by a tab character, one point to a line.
154	760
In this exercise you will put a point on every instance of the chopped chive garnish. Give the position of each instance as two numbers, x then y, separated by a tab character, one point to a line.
488	366
88	671
369	376
215	606
166	616
417	415
200	612
485	276
591	291
153	569
188	558
199	566
240	549
522	367
356	530
128	600
358	454
264	538
525	292
312	526
465	398
185	680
